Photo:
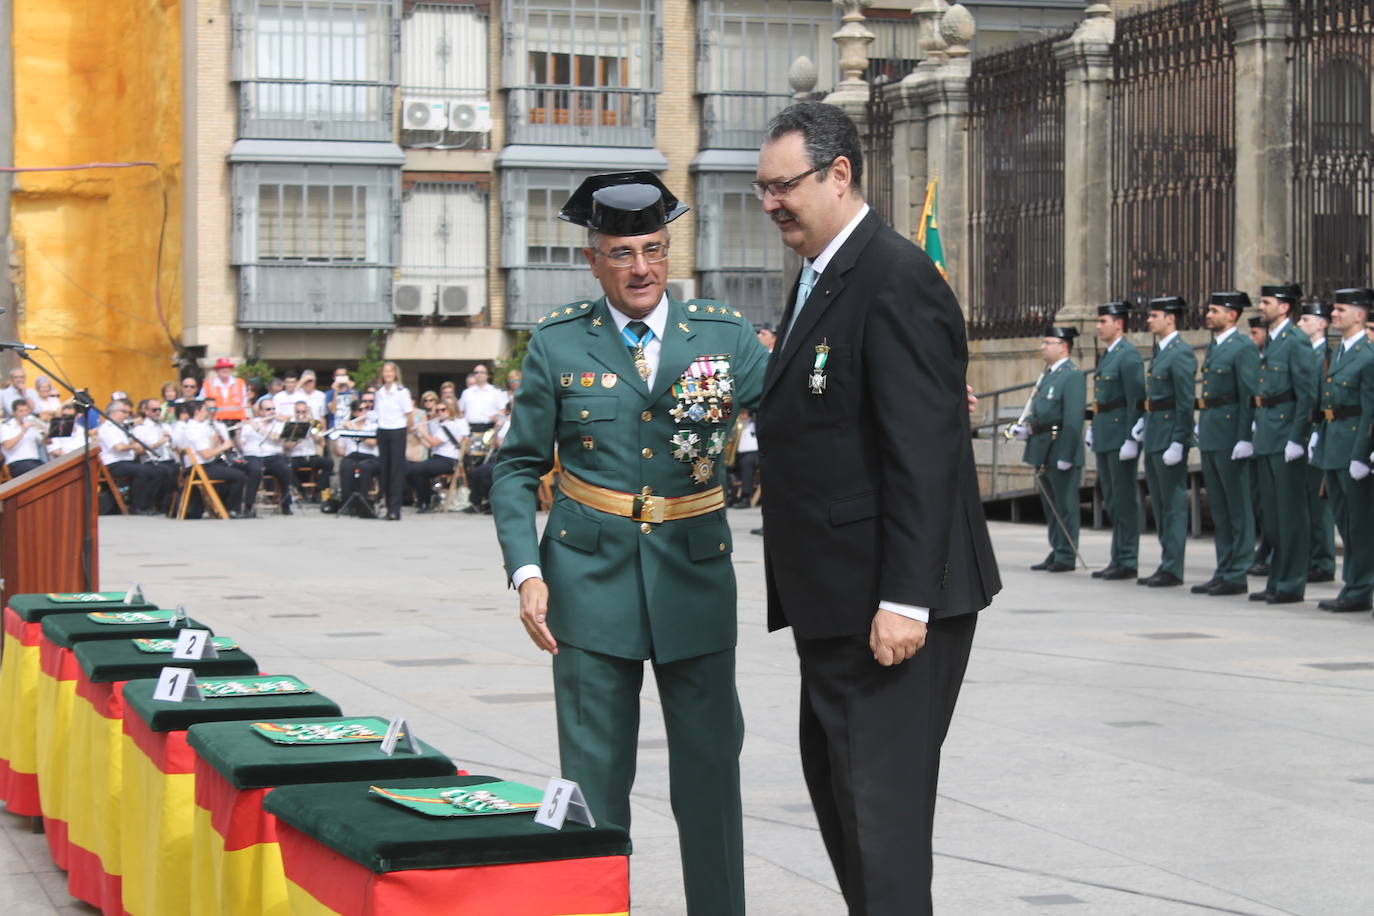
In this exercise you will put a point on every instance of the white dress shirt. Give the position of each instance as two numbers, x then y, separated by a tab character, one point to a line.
111	436
394	407
657	320
482	402
262	442
447	447
1221	338
149	431
198	435
27	448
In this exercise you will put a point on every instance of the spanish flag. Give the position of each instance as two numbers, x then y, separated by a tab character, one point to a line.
928	235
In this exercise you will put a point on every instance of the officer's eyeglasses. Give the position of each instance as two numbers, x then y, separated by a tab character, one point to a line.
625	257
783	186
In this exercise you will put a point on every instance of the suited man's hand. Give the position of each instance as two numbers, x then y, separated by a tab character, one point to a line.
894	638
534	610
972	400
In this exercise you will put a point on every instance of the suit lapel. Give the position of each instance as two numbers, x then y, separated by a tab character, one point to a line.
606	347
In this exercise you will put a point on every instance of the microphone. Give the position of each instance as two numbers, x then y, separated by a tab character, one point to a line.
15	345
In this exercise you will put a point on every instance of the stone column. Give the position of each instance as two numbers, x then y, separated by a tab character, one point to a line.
1085	58
1264	143
853	39
909	168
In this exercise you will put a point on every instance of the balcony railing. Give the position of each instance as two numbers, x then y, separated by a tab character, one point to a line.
314	296
288	109
564	115
756	293
735	120
533	292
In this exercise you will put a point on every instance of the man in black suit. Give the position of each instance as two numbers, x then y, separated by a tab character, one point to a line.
877	553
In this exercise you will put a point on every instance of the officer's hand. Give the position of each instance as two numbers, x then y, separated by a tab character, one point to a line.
894	638
1243	450
972	400
1088	438
1063	465
1173	454
1019	431
1129	449
534	610
1359	470
1293	451
1138	431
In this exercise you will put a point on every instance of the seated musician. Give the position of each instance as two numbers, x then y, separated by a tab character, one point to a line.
21	438
120	452
211	443
260	444
159	449
443	435
306	452
74	441
359	459
480	469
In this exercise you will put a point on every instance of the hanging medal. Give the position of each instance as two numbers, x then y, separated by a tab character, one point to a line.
637	345
817	378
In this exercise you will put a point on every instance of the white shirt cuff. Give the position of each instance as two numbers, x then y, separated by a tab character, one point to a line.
528	571
915	612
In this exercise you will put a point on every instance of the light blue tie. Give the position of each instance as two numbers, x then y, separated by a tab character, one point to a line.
804	288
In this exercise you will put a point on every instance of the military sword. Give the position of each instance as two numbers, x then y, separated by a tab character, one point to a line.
1049	501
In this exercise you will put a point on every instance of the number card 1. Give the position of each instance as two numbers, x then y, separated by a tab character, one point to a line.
177	684
563	801
194	645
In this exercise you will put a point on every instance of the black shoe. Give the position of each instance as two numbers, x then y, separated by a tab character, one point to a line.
1205	587
286	509
249	513
1320	575
1043	564
1345	605
1119	572
393	516
1283	598
1060	567
1099	573
1163	580
1258	569
1228	588
1260	596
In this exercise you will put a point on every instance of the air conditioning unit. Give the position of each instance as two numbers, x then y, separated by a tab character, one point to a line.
412	299
474	117
458	300
420	114
682	290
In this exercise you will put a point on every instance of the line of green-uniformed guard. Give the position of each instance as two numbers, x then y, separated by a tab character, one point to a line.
1281	417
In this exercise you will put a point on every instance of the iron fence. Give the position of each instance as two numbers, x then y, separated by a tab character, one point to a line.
877	140
1333	149
1173	161
1016	186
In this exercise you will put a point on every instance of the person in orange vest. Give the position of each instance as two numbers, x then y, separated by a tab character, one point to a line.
229	393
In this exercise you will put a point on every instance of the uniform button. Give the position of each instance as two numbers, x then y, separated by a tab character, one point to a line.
647	415
646	527
563	533
585	414
647	491
647	453
722	545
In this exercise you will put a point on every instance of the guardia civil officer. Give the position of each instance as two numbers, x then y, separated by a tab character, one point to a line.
1346	409
1259	335
1284	400
1118	393
1166	431
1054	445
1230	373
1314	321
637	391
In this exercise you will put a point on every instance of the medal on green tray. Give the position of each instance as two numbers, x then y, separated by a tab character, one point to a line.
259	686
816	380
344	731
129	618
84	597
465	801
156	646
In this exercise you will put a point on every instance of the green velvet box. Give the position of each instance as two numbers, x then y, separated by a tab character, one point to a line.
164	716
67	629
385	837
106	660
34	607
249	761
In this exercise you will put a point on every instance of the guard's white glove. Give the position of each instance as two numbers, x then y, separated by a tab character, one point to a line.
1173	454
1088	438
1129	449
1063	465
1253	427
1242	451
1312	445
1197	430
1138	431
1359	470
1020	431
1292	451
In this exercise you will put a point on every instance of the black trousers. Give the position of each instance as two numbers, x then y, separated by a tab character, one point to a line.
277	466
420	476
392	444
145	483
323	466
23	466
746	464
479	483
355	474
171	476
231	495
870	750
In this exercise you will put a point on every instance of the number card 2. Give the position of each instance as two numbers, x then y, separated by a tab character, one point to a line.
176	685
194	645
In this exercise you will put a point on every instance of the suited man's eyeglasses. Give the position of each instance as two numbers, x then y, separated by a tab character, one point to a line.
624	257
781	188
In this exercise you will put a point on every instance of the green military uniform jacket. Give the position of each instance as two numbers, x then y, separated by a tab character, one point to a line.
663	591
1230	376
1118	389
1348	387
1288	381
1170	379
1056	418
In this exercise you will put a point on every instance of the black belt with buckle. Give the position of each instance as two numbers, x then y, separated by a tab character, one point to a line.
1038	428
1275	400
1157	404
1335	413
1102	407
1210	403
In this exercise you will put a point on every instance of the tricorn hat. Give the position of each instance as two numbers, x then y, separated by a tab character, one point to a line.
1066	334
1284	292
623	203
1120	308
1318	308
1356	295
1257	321
1234	300
1175	304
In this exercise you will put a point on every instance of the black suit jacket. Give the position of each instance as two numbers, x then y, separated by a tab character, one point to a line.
872	494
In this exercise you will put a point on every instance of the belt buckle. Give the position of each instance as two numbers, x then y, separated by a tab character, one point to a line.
649	509
1329	413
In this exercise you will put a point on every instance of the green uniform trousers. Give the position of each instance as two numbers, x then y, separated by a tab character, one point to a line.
1264	551
1168	488
1322	536
1122	501
1353	507
597	699
1059	494
1283	508
1228	495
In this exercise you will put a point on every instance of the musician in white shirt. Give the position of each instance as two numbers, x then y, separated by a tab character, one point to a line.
305	453
210	442
394	407
444	437
482	401
260	444
359	461
120	452
56	446
21	438
159	449
288	396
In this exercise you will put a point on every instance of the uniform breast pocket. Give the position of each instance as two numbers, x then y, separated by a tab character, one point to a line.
584	423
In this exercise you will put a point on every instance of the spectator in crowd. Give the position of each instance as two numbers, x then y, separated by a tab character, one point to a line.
120	451
359	461
228	391
17	389
443	435
448	389
260	444
290	394
159	451
483	401
208	442
338	400
766	335
313	395
169	399
21	436
306	454
190	389
274	386
513	380
46	402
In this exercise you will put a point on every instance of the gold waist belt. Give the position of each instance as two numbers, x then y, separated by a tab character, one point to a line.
641	508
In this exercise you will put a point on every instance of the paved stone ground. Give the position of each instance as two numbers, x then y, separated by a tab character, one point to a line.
1116	750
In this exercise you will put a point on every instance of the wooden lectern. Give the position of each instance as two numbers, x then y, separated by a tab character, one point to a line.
42	520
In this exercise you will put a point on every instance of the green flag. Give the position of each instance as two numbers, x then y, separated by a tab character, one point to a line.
928	235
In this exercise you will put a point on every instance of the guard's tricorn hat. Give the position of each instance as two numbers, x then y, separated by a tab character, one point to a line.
1360	296
1318	308
1174	304
623	203
1120	308
1257	321
1235	300
1066	334
1284	292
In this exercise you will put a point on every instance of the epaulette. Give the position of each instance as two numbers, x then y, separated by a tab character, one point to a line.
566	313
710	308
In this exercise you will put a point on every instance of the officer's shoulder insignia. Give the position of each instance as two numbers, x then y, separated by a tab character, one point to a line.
713	310
563	315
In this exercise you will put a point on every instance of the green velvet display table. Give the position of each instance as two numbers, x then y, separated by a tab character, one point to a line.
349	853
234	846
159	789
